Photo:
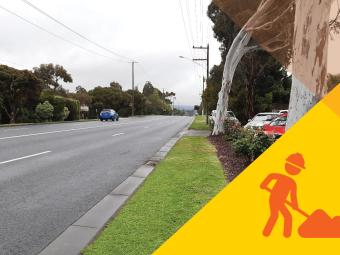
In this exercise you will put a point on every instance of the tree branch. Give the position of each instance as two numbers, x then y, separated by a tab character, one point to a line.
268	25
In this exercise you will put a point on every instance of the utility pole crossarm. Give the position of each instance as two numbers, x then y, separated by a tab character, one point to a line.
200	48
199	59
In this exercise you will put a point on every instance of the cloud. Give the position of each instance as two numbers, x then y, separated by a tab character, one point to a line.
150	31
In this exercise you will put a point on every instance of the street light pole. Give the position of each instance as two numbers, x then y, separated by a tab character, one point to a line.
133	88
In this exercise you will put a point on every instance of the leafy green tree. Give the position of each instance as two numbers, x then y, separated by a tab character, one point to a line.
140	102
158	106
81	95
19	89
108	97
52	75
80	89
148	89
157	102
116	85
44	111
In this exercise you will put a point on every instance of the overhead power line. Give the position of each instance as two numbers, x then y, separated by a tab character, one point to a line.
56	35
189	20
185	28
73	31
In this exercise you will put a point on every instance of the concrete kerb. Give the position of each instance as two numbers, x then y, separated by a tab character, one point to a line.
83	231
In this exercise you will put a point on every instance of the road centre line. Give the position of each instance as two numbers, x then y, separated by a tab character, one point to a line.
25	157
118	134
69	130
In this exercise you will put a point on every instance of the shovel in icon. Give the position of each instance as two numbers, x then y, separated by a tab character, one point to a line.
318	224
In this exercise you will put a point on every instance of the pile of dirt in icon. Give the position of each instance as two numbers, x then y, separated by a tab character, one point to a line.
320	225
233	163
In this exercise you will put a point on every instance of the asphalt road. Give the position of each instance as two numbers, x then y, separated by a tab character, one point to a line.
50	175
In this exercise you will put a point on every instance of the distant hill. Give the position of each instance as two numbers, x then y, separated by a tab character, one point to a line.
185	107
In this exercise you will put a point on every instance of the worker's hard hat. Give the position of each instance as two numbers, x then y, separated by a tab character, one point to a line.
296	160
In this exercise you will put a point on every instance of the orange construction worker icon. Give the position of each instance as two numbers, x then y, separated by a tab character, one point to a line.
317	225
285	186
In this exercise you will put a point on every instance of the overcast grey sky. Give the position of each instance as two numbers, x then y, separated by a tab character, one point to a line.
149	31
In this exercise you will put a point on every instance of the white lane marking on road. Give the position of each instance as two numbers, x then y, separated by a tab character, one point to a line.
49	132
25	157
72	129
118	134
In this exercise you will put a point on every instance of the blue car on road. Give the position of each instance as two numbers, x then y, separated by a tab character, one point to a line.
108	114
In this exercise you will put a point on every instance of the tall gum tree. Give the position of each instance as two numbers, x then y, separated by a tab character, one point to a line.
269	18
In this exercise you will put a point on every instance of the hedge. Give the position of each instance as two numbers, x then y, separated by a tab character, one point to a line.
59	103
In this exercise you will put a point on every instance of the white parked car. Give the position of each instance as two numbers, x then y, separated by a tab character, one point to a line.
283	112
261	119
229	115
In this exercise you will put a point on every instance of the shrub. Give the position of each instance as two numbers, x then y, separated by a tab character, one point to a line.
232	130
44	111
260	144
243	144
247	142
124	112
27	116
59	103
252	144
73	106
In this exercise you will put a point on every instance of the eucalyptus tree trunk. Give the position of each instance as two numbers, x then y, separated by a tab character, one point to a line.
237	50
310	47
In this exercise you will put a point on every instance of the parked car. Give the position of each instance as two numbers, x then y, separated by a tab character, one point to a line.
261	119
229	115
277	127
283	112
108	114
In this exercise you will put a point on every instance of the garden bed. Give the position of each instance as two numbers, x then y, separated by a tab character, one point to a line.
233	163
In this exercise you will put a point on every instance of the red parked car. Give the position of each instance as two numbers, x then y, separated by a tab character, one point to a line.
277	127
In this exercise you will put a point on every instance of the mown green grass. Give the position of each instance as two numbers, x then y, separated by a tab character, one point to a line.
200	123
181	184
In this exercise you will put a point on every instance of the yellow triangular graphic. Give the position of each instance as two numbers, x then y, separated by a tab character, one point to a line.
233	222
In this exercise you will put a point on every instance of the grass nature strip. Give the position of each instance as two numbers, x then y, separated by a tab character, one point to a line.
180	185
199	123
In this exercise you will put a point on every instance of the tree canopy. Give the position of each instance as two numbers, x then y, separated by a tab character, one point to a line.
27	96
51	75
18	89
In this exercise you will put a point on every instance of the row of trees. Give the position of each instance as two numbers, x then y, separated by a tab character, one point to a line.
150	101
37	95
